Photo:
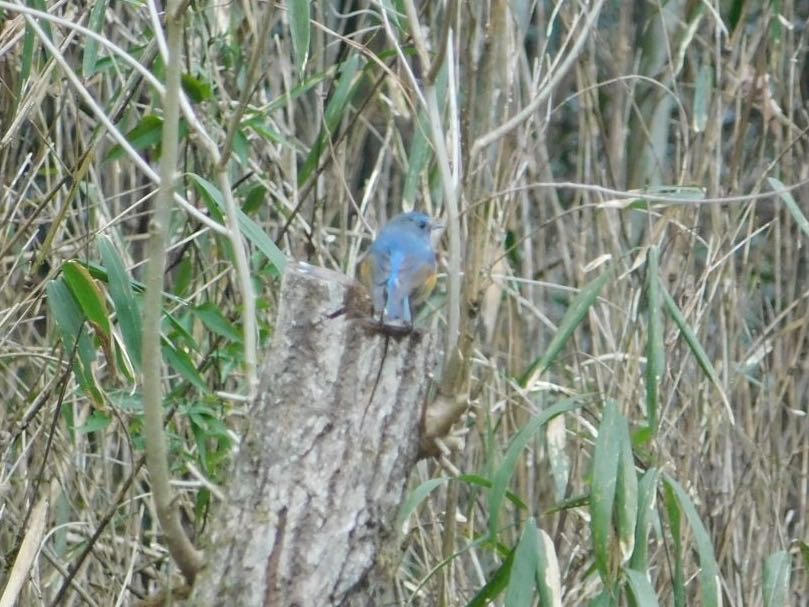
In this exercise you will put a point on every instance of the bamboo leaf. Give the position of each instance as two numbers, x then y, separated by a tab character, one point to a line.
333	114
91	44
647	492
792	206
606	458
655	352
69	321
496	584
418	495
504	473
123	298
522	581
776	579
574	316
213	319
696	349
251	230
641	589
299	13
88	295
626	493
709	570
549	581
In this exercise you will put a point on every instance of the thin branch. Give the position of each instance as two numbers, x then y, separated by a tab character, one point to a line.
449	180
188	559
545	90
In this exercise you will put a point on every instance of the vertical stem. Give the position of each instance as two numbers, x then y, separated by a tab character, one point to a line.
188	559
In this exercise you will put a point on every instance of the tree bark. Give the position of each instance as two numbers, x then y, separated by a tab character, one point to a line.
318	481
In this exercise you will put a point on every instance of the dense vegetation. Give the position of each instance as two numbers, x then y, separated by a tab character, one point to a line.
624	275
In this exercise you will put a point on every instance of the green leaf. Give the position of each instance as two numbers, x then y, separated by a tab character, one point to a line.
97	421
197	89
69	321
299	90
88	65
213	318
496	584
604	599
126	400
27	60
333	114
696	349
573	317
263	129
555	442
655	351
147	133
418	495
479	481
88	295
709	570
504	473
251	230
647	492
674	515
254	199
123	298
641	588
522	581
792	206
776	579
702	97
626	494
549	582
181	362
299	11
606	458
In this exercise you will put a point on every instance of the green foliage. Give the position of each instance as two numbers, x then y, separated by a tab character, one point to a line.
609	409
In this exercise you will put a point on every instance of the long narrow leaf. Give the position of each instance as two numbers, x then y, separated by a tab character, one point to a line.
696	349
626	493
575	314
418	495
655	353
709	570
123	298
251	230
647	492
496	584
69	320
792	206
299	13
522	581
88	295
91	44
776	579
641	589
549	582
674	514
333	114
606	458
504	473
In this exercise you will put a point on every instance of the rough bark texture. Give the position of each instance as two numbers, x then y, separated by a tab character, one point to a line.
315	488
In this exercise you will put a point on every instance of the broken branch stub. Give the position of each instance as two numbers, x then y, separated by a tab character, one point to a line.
314	491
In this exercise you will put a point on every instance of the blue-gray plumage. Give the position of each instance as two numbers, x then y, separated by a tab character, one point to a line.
399	268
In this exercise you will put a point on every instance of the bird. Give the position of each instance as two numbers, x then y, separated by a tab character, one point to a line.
399	268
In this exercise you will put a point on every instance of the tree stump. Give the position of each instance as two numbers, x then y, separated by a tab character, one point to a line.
318	481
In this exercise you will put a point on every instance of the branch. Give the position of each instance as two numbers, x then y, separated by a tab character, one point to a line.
188	559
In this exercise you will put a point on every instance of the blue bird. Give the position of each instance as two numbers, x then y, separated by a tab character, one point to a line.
399	268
